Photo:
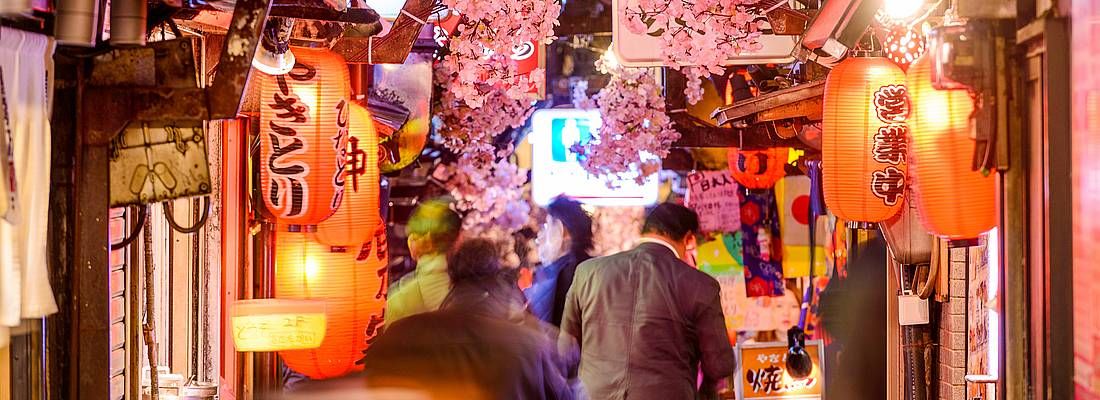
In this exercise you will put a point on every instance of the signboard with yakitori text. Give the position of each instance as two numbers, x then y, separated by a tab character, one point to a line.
556	169
643	50
762	372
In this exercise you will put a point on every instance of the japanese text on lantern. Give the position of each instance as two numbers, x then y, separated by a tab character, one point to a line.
891	104
288	183
764	376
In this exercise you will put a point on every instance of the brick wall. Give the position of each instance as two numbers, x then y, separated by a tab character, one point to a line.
952	331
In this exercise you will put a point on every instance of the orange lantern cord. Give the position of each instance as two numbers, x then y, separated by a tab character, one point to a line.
303	134
955	202
349	281
358	216
864	139
758	169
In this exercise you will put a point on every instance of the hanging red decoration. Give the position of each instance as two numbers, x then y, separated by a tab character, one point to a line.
758	169
358	216
903	45
350	282
864	139
955	201
303	134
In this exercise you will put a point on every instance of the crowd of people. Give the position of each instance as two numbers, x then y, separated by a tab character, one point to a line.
641	324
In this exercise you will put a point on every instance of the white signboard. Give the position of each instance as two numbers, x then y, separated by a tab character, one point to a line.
641	50
555	169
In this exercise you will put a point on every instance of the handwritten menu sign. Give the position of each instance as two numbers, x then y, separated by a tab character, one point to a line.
278	324
762	373
713	195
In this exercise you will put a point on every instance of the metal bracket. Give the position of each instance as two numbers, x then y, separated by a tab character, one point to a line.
129	95
396	45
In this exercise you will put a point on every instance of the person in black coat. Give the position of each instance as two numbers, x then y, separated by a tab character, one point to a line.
481	345
564	241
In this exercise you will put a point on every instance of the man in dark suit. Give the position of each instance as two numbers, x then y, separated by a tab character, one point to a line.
647	321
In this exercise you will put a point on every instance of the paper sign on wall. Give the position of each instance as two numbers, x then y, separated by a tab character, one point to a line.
714	196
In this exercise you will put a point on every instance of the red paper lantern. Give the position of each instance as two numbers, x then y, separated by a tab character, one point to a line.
357	218
955	201
758	169
303	134
864	139
350	281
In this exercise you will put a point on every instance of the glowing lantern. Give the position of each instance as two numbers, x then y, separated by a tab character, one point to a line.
358	216
955	201
758	169
303	134
864	139
351	283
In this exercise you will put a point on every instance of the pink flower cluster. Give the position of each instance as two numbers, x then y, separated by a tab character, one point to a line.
636	132
467	129
480	57
489	192
696	33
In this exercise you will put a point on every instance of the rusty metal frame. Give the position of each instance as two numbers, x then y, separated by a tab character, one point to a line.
396	45
763	107
111	108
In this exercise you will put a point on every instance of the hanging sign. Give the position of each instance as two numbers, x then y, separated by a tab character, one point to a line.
713	195
642	50
762	372
275	324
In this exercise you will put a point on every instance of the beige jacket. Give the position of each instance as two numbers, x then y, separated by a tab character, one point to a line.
646	323
421	291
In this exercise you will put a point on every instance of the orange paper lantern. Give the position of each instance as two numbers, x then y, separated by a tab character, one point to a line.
358	216
955	201
863	147
351	283
758	169
303	134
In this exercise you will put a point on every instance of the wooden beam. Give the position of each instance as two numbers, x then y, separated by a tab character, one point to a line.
803	97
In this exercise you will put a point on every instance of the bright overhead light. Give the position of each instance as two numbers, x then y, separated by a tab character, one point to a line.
902	9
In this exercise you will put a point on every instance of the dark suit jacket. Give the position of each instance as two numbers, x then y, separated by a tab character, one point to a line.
646	322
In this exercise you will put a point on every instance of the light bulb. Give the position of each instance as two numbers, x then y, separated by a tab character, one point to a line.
902	9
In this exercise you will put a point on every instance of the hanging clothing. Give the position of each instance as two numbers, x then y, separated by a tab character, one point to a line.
26	62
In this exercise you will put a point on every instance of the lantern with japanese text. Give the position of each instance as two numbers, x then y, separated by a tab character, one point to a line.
303	136
864	139
350	282
955	201
358	216
758	169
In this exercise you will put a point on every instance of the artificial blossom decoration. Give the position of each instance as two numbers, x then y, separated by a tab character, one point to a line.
697	36
479	58
635	134
465	129
488	192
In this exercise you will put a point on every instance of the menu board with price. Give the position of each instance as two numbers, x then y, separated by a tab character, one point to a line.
762	372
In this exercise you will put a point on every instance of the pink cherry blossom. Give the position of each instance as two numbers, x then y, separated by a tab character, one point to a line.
700	33
635	132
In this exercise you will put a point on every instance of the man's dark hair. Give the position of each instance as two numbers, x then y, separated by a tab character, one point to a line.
576	221
672	220
474	260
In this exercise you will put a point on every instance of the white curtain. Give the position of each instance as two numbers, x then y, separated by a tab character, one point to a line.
26	60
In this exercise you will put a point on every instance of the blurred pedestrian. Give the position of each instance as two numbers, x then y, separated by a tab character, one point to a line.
481	345
433	229
647	322
564	241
